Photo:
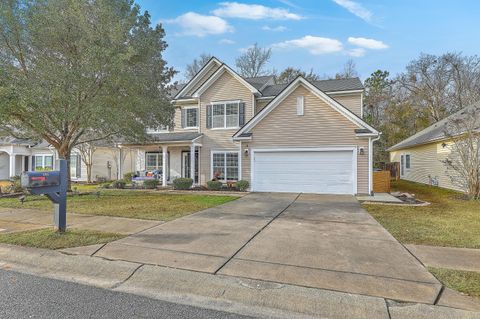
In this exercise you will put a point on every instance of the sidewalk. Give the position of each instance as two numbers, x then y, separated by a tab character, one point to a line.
447	257
233	294
15	220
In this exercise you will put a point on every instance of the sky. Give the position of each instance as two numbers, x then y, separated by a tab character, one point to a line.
318	34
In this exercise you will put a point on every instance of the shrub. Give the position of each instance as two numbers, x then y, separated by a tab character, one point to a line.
106	185
214	185
128	176
15	185
182	183
120	184
242	185
151	183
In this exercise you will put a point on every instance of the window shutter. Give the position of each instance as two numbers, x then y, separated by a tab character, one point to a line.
209	116
184	118
78	163
241	114
300	105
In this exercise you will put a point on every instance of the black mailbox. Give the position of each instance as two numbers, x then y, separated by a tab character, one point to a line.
40	179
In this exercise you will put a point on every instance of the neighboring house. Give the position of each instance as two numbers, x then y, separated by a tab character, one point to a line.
297	137
18	155
422	155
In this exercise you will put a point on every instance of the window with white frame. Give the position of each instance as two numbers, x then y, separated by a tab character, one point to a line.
42	162
191	117
225	166
161	129
407	161
153	161
225	115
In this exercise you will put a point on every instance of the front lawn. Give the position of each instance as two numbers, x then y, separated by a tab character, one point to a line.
467	282
127	203
448	221
49	239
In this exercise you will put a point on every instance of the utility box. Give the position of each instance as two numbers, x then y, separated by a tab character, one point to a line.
40	179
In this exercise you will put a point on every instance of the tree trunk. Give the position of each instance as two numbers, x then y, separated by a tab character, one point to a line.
64	153
89	172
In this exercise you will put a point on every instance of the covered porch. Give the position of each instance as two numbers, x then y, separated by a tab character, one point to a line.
173	154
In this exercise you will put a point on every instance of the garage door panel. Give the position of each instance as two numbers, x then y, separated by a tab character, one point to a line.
329	172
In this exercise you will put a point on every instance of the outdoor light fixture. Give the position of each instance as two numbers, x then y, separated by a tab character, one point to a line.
246	152
361	151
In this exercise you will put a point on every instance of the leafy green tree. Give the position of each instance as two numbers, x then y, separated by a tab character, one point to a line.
289	74
76	71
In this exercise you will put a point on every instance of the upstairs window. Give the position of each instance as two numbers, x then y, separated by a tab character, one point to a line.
190	117
226	115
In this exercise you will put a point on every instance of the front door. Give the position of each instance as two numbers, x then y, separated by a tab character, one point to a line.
186	165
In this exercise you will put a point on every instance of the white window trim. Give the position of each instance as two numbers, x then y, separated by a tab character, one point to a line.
409	161
198	117
223	152
43	155
159	159
224	103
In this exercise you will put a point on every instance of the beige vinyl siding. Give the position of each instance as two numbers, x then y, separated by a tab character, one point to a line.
320	126
352	101
225	88
425	163
204	78
177	120
260	105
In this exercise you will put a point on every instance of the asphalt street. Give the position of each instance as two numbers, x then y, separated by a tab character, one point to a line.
26	296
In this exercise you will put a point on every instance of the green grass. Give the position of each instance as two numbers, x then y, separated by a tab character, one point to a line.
127	203
49	239
467	282
82	187
450	220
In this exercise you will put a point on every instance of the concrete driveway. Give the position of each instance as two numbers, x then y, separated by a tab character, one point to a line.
320	241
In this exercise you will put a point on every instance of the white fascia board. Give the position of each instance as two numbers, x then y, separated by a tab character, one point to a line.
323	96
217	74
197	76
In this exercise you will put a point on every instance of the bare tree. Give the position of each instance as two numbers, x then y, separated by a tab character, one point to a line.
86	151
349	70
463	162
192	69
289	74
253	61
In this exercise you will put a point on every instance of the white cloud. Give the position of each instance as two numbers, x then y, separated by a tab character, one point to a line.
279	28
201	25
253	12
314	45
356	9
367	43
357	52
226	41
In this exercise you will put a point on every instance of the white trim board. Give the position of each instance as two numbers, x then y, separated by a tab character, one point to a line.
353	149
323	96
197	76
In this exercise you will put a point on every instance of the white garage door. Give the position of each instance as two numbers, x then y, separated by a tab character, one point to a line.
321	172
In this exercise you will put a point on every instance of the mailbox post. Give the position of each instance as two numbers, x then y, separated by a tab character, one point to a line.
54	185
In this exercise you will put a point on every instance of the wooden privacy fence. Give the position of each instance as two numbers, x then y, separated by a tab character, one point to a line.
393	167
381	182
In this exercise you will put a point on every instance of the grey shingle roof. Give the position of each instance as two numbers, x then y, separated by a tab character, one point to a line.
332	85
174	137
435	132
260	81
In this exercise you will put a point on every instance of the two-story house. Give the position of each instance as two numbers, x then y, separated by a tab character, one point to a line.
297	137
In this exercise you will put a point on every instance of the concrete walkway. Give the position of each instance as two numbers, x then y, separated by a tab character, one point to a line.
447	257
316	241
15	220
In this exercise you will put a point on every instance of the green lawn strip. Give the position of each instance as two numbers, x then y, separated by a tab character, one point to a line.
49	239
130	204
448	221
467	282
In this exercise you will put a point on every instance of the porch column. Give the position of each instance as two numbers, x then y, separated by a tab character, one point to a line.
164	166
12	165
192	162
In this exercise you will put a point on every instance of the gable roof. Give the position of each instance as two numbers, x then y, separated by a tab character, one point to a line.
435	132
329	86
190	84
319	93
224	68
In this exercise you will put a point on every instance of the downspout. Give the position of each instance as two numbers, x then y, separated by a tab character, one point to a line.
370	163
